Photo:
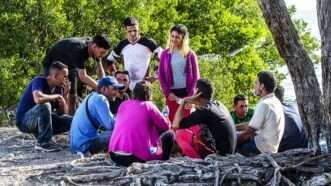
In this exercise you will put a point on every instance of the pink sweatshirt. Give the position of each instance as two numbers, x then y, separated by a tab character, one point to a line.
137	128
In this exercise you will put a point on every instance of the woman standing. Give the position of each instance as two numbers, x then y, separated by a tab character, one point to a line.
178	73
178	70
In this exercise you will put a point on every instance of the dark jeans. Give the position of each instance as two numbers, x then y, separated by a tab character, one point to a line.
100	143
43	123
248	148
167	140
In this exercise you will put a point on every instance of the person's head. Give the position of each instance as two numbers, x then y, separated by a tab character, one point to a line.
206	89
131	26
108	86
99	47
58	73
143	91
123	78
279	93
265	83
240	105
179	39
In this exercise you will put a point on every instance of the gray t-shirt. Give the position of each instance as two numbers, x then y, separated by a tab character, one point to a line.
178	63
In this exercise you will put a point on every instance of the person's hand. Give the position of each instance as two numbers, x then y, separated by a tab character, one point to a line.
66	88
172	97
61	101
174	127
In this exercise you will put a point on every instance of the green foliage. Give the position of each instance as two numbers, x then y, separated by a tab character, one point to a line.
232	30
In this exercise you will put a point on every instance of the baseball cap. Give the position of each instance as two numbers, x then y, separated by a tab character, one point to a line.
110	81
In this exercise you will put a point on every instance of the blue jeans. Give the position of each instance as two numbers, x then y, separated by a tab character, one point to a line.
100	143
248	148
43	123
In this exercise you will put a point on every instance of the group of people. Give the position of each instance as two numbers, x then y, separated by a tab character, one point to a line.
120	117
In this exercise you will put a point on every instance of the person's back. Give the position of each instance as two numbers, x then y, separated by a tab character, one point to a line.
294	134
217	118
138	124
71	51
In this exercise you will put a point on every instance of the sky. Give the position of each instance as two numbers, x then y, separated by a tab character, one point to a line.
306	10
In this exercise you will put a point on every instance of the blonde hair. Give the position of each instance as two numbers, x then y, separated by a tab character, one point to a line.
184	48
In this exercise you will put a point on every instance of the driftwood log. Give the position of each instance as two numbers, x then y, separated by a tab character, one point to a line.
21	165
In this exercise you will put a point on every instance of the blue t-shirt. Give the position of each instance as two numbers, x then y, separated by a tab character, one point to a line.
82	131
294	135
26	101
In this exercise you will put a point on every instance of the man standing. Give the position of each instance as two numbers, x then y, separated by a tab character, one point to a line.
136	51
94	114
211	113
74	52
241	112
265	130
34	112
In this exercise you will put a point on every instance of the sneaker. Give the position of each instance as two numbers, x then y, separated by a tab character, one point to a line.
47	147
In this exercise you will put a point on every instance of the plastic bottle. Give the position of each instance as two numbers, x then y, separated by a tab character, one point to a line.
165	111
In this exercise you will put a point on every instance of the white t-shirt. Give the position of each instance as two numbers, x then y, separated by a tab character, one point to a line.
136	57
268	120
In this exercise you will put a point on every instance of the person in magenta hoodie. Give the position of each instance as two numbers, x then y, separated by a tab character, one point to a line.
178	70
178	73
138	125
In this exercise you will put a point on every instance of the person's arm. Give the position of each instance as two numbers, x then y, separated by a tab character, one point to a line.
195	72
245	135
241	126
162	75
103	112
39	97
158	119
193	118
85	78
99	69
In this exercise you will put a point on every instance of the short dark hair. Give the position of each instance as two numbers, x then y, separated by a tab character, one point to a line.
130	21
57	65
239	98
181	29
122	72
279	93
206	88
142	91
101	41
268	80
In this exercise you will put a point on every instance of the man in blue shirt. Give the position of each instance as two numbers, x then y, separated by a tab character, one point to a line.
93	114
294	133
34	112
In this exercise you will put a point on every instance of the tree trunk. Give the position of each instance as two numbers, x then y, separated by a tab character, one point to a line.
324	23
307	90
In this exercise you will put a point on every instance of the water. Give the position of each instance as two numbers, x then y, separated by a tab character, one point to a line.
289	94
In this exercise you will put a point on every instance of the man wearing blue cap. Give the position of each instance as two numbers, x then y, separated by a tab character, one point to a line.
94	114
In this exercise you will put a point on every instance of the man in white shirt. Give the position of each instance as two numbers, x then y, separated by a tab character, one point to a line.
265	130
136	51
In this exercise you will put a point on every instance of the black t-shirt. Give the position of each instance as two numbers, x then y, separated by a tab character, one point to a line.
218	120
71	51
114	105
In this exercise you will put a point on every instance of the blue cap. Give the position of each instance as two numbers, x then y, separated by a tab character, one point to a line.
109	81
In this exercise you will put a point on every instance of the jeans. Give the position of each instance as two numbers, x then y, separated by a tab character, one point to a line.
100	143
43	123
248	148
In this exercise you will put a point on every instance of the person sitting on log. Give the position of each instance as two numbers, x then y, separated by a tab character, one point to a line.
35	112
241	112
211	113
294	133
93	122
265	130
142	132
